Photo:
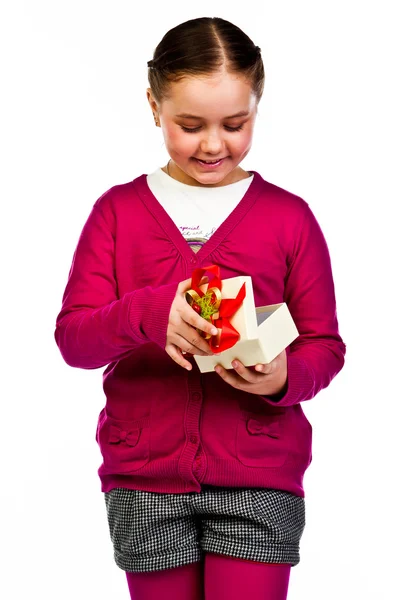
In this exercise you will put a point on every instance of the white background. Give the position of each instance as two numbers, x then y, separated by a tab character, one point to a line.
74	122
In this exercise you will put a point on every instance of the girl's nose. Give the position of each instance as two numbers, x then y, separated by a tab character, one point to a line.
211	143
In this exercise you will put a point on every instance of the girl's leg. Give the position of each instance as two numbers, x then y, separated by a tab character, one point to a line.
227	578
180	583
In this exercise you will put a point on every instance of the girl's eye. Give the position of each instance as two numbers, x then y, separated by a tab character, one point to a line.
195	129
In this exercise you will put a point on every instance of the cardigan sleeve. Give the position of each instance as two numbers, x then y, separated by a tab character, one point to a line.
318	354
95	326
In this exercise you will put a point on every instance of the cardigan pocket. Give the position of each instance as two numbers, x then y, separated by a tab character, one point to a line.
124	445
261	440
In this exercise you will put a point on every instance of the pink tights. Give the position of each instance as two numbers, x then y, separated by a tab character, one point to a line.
217	577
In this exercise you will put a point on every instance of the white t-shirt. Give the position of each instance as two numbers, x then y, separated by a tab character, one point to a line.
197	211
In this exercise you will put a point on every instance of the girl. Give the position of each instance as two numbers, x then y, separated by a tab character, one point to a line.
202	474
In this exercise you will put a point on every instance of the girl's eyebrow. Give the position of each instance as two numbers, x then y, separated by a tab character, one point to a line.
242	113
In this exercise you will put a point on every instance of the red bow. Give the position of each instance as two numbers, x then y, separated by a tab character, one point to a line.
225	308
119	435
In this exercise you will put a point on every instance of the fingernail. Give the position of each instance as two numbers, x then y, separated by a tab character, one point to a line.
259	368
214	331
235	364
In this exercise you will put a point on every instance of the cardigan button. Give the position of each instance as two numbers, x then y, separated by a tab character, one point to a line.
196	396
193	439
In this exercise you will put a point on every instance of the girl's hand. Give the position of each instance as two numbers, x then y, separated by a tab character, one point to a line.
182	324
264	380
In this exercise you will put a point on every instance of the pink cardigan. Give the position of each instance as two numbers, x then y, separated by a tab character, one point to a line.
166	429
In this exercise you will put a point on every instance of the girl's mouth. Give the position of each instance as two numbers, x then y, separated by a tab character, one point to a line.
210	164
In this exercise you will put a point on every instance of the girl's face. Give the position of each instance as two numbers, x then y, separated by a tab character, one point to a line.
207	119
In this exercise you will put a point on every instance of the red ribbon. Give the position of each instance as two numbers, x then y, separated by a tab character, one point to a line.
227	308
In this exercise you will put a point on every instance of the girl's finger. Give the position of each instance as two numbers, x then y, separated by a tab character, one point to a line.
265	369
176	355
193	319
192	343
244	372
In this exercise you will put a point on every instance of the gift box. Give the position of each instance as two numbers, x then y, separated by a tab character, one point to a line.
264	331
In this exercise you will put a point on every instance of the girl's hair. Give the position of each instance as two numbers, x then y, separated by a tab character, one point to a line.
204	46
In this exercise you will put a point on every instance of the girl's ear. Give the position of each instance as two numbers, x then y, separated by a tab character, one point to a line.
150	98
153	106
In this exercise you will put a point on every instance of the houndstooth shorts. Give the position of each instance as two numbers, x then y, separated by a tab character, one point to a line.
153	531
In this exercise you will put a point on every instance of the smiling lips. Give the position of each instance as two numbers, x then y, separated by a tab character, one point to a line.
210	163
